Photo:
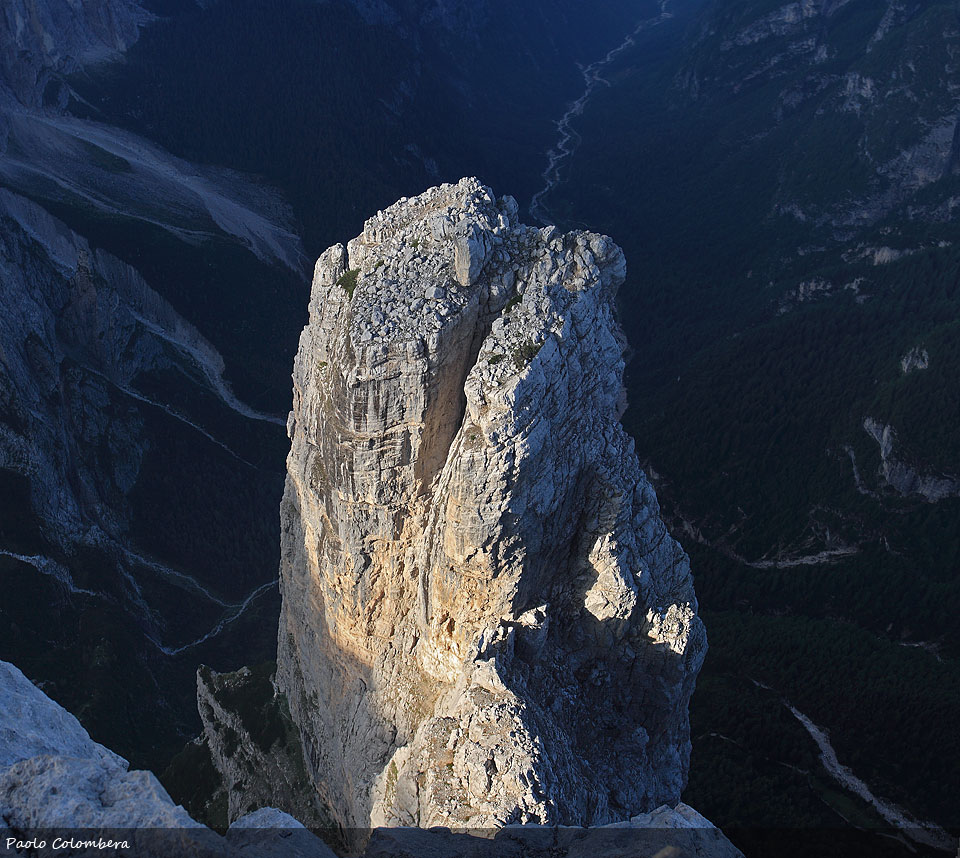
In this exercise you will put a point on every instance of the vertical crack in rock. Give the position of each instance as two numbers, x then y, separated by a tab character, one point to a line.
484	619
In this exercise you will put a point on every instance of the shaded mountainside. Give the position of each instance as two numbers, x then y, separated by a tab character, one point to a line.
790	212
138	527
783	178
40	42
367	102
120	563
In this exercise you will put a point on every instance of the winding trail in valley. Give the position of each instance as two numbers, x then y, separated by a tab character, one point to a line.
567	137
827	556
211	365
133	394
232	610
230	617
232	613
177	578
46	566
927	833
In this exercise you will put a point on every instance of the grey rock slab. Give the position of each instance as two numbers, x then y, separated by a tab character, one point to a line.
32	724
271	833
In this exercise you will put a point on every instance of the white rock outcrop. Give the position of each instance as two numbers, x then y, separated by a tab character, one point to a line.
916	359
53	775
271	833
900	476
31	724
485	620
55	780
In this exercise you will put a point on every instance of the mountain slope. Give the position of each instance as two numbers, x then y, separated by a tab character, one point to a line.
138	524
789	205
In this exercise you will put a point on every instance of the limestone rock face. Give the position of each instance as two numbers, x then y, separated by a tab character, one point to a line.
484	619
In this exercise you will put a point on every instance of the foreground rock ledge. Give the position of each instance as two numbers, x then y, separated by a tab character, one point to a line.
55	782
484	619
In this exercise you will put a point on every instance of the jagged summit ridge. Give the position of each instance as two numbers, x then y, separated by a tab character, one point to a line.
484	619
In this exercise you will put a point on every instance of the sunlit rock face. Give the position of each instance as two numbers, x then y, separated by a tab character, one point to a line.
484	619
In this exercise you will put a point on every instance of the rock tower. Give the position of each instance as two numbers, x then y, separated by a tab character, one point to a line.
484	619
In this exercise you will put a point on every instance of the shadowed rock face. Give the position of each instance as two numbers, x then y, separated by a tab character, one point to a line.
484	618
898	475
42	38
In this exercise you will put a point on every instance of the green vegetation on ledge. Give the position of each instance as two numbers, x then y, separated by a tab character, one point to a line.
348	281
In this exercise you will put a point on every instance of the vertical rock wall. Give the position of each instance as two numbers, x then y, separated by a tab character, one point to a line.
484	618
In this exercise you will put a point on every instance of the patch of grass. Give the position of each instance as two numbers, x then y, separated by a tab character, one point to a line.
391	785
516	299
523	354
493	360
348	281
254	701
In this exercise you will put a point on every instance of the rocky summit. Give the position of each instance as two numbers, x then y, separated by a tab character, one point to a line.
484	620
